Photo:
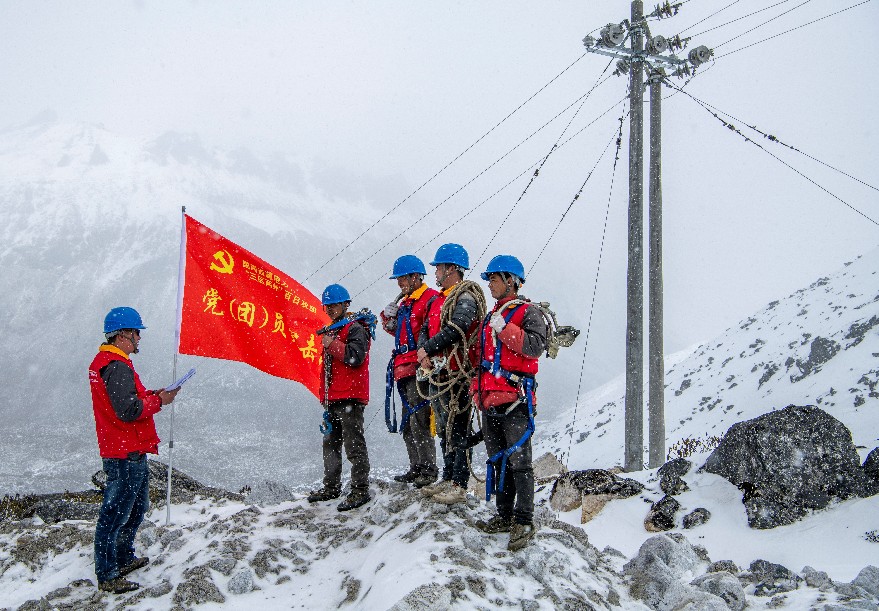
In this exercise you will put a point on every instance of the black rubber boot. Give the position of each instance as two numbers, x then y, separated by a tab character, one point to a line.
135	564
324	494
406	478
355	499
118	586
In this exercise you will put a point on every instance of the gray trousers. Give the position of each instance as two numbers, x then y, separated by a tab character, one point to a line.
501	432
420	444
455	465
346	418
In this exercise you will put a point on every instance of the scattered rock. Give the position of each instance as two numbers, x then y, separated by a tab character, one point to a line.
198	588
662	515
723	565
868	579
788	462
569	488
429	597
224	566
592	505
241	582
661	561
379	514
816	579
725	586
670	475
269	493
822	350
697	517
772	579
547	468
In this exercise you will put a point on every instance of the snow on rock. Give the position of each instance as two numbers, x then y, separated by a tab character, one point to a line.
219	551
789	462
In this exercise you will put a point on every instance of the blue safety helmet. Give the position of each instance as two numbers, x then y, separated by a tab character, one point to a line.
122	318
335	293
408	264
452	253
504	264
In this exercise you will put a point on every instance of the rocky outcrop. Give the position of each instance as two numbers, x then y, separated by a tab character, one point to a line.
61	506
789	462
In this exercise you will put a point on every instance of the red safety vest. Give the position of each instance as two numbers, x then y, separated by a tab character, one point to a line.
115	437
351	383
406	363
513	362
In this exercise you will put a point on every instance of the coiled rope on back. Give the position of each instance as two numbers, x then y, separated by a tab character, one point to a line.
444	379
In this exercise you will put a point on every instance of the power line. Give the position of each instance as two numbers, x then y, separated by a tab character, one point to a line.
489	198
793	29
461	154
536	173
738	18
595	288
733	128
760	25
776	140
468	183
577	195
710	16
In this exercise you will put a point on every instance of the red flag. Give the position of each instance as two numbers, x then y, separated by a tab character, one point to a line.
238	307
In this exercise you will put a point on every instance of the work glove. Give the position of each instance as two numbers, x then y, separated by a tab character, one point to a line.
390	310
497	322
474	439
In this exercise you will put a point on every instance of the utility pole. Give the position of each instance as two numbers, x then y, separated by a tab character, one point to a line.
647	54
656	358
634	414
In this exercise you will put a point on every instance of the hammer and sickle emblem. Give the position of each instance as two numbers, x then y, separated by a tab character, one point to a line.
227	263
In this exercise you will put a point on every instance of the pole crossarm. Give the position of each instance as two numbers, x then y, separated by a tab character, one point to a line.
671	61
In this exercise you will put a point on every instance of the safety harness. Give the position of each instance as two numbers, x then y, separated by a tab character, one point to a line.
525	384
403	323
369	320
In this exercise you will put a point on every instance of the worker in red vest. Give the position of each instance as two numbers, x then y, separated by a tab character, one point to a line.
513	335
124	412
404	318
344	395
453	322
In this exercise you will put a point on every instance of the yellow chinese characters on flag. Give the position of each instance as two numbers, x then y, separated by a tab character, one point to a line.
238	307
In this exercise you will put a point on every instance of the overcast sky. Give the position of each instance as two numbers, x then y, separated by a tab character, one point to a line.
390	92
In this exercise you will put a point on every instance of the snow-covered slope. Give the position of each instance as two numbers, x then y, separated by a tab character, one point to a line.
817	346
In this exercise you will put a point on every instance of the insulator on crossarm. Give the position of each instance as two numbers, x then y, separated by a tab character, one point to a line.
700	55
656	45
588	42
612	35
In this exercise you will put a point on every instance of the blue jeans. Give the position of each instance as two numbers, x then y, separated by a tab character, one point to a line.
126	500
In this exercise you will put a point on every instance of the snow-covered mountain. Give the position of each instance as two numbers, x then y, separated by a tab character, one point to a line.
89	220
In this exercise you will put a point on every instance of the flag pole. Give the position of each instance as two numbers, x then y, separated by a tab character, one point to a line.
180	279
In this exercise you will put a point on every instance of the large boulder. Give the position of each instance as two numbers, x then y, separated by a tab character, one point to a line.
789	462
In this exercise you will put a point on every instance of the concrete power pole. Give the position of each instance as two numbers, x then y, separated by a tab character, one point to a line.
647	53
634	410
656	358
